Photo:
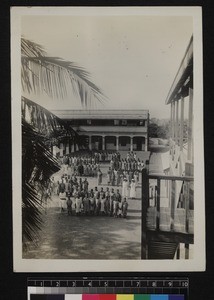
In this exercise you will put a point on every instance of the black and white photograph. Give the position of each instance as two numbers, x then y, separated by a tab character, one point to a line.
107	139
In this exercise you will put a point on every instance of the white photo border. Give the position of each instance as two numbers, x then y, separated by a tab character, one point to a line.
197	263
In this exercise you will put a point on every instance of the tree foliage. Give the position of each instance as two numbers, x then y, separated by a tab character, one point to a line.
159	130
55	76
40	128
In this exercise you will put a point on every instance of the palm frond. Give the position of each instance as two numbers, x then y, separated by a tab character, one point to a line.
40	128
31	213
30	49
38	164
51	128
57	77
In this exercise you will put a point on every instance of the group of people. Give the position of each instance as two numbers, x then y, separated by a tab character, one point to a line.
82	169
89	157
129	168
130	163
85	164
116	177
81	201
74	193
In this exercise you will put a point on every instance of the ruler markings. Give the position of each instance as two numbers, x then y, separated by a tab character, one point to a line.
102	285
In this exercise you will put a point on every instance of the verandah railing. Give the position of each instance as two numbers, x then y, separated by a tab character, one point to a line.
178	201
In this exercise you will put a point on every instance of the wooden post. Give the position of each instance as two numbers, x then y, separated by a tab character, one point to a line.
24	113
186	251
176	121
103	142
146	144
171	109
131	143
182	125
187	206
155	197
158	205
172	204
178	252
190	118
144	208
89	142
173	121
117	143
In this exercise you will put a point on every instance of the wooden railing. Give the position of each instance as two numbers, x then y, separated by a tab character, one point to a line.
156	198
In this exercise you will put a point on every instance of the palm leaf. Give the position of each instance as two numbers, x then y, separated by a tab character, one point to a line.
41	128
29	48
55	76
53	129
31	214
38	164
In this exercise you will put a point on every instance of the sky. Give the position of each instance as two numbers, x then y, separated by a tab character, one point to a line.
132	59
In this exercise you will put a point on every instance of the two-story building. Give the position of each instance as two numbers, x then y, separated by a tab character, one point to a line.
113	130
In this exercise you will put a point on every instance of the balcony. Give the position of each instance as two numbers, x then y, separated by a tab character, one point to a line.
167	215
112	129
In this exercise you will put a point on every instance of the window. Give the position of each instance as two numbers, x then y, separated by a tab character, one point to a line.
116	122
124	122
142	123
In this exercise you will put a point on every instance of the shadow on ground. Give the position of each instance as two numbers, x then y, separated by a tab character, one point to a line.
72	237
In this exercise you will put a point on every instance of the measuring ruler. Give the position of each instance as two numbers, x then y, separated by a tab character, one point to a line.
108	288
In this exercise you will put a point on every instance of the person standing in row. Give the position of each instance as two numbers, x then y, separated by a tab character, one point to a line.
99	177
86	204
125	188
69	205
124	208
133	190
78	205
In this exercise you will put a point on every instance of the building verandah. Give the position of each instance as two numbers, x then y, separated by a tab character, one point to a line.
117	142
108	143
167	226
107	130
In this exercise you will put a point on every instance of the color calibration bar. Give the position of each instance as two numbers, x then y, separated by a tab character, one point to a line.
100	288
106	297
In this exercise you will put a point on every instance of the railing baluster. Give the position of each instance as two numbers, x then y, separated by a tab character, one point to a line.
178	252
186	251
182	199
184	203
155	203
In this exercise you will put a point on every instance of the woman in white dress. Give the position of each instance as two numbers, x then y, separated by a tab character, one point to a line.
99	177
78	205
102	205
125	188
86	204
133	189
63	200
92	203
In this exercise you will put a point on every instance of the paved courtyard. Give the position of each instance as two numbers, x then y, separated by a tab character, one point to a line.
89	237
